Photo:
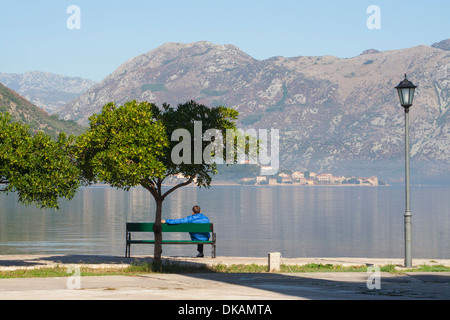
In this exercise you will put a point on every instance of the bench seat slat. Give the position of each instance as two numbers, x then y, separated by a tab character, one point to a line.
170	241
182	227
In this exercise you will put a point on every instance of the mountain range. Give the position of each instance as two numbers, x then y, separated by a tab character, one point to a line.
338	115
46	90
23	111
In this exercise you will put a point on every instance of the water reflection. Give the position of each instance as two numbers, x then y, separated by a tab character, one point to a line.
249	221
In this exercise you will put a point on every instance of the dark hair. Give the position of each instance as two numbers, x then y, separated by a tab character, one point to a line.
196	209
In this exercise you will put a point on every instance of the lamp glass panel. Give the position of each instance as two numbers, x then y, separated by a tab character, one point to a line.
411	95
400	95
406	96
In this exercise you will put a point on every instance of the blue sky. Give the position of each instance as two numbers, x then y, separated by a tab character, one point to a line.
34	35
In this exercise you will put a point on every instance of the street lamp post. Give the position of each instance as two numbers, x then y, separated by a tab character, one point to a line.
405	91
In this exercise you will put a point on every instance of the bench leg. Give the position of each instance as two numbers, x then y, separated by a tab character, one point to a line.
127	250
127	245
214	245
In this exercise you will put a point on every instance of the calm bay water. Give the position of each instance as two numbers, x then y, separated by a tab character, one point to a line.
249	221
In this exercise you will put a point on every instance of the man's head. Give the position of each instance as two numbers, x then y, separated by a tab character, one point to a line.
196	209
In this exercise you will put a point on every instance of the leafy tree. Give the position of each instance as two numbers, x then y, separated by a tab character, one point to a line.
122	146
237	172
130	145
352	181
38	168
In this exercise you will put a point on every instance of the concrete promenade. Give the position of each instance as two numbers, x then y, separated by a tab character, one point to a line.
221	286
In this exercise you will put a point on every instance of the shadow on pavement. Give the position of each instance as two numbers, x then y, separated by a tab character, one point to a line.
341	285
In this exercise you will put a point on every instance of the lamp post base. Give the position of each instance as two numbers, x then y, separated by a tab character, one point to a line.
408	240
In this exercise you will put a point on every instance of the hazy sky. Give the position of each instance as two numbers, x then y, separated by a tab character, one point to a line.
34	35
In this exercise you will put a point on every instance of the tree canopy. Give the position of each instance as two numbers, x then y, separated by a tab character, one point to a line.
196	120
122	146
39	169
131	145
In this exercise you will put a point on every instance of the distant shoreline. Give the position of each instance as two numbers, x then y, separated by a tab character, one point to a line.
226	184
296	185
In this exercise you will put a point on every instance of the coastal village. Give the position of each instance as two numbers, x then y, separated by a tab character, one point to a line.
291	177
309	178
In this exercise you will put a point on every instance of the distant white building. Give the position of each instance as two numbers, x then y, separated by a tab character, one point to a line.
180	176
338	179
298	175
324	177
267	170
373	180
261	178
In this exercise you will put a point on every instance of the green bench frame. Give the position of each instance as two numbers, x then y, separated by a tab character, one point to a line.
182	227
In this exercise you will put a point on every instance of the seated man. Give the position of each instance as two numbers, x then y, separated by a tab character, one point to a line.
196	217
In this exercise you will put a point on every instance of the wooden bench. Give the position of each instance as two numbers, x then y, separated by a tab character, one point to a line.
182	227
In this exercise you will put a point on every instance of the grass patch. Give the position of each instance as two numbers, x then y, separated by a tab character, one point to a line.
34	273
314	267
142	268
239	268
427	268
58	271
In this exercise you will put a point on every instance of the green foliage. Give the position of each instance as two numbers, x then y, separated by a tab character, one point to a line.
214	93
168	61
130	145
351	181
237	172
184	116
280	105
36	119
123	146
38	168
251	119
154	87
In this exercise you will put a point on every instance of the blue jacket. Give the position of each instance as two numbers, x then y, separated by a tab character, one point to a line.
195	218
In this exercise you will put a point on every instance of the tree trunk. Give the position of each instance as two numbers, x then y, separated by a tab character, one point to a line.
157	265
156	192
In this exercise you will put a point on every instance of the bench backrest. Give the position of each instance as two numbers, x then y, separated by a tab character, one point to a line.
182	227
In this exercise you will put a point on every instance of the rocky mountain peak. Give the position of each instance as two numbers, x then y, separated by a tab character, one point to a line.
443	45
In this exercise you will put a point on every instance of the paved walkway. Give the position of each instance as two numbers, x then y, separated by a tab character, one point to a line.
220	286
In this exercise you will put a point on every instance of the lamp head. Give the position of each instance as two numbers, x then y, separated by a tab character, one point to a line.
405	91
